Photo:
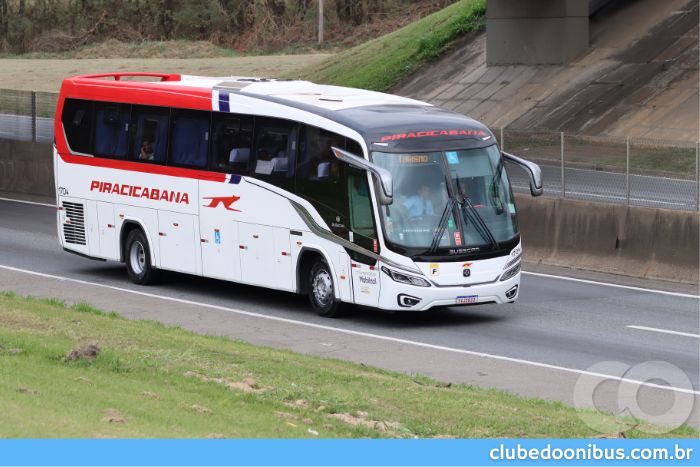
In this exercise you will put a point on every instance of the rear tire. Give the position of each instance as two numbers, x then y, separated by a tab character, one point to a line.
322	290
137	255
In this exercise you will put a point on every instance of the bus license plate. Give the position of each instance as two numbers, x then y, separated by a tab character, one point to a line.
467	299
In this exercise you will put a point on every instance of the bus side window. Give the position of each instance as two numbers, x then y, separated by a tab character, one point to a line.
77	124
361	219
231	142
189	138
360	203
149	133
275	151
111	129
319	176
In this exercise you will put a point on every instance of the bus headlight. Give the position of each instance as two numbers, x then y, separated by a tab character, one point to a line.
405	278
510	273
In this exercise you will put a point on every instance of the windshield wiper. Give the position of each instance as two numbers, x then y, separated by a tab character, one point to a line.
477	220
474	216
495	182
441	226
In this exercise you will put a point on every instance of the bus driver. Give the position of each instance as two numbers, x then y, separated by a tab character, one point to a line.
419	205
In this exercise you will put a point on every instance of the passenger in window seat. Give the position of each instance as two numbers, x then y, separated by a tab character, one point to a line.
146	151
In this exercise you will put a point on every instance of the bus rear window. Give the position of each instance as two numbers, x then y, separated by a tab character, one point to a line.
77	124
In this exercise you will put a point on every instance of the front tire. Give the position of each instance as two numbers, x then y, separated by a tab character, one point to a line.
322	290
138	259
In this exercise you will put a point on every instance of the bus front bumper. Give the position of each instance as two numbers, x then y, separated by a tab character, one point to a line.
398	296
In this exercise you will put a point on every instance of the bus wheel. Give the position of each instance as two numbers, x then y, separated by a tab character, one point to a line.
321	291
138	259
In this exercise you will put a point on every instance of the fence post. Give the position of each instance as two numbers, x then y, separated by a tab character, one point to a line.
697	176
563	180
627	172
33	104
502	145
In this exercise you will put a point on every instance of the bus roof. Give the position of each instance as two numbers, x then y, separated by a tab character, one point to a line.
394	122
323	96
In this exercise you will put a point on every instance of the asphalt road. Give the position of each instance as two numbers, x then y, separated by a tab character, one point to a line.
19	127
610	187
556	322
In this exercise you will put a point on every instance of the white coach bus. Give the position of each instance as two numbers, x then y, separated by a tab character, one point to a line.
342	194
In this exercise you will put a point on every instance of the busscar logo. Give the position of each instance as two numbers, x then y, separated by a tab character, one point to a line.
464	251
226	201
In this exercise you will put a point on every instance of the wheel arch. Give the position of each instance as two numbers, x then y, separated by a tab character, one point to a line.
306	258
127	226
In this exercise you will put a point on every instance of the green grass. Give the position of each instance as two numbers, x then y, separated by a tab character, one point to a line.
384	62
151	380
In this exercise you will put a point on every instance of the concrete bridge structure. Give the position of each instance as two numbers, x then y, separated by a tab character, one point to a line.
538	32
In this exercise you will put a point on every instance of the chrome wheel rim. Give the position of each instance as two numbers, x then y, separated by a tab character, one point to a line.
137	257
322	286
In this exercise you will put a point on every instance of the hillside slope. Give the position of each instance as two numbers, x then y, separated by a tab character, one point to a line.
639	78
387	60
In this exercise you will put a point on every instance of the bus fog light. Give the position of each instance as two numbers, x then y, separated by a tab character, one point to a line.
407	301
405	278
511	292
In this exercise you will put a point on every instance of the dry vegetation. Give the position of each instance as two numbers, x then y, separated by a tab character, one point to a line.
58	26
113	48
47	74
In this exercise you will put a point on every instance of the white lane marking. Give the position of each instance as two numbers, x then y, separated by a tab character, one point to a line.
27	202
609	284
664	331
363	334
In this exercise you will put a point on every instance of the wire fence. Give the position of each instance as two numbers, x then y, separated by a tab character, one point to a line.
633	171
27	115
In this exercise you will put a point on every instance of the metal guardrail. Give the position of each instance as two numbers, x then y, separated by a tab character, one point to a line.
632	171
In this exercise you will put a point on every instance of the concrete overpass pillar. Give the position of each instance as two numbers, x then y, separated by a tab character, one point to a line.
533	32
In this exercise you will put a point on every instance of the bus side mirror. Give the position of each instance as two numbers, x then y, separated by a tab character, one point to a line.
385	189
536	188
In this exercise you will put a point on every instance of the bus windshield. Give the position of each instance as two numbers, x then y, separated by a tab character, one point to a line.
448	199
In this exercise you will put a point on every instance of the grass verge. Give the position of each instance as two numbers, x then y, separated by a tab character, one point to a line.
382	63
150	380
